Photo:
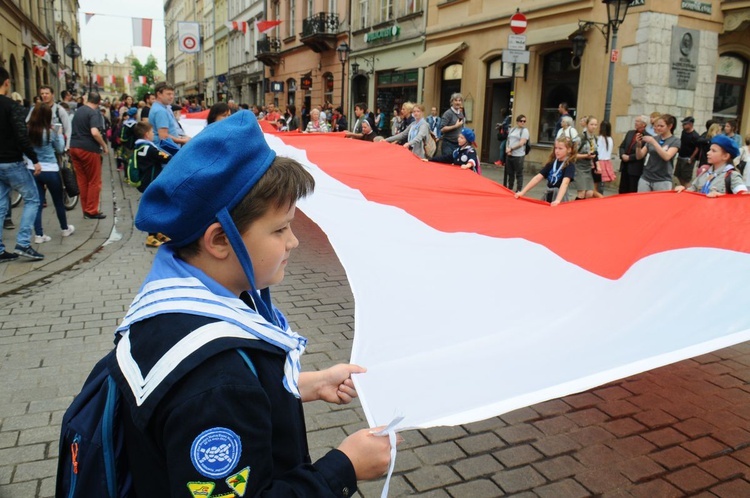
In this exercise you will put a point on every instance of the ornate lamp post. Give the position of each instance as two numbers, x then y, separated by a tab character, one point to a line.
90	69
616	12
73	51
343	51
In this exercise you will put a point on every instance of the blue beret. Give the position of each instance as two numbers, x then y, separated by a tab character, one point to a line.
132	111
213	171
726	143
469	135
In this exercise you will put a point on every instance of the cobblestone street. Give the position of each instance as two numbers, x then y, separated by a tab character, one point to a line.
680	430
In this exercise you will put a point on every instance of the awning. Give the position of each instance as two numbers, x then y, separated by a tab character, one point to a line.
434	54
552	34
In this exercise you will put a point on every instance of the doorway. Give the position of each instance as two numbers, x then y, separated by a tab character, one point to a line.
497	104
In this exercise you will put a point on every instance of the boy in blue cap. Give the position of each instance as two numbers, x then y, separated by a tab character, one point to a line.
721	177
211	427
465	155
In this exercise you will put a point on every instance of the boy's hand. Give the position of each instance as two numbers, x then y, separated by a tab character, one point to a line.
333	385
370	454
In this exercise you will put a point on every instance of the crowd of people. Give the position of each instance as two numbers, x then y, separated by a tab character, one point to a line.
652	158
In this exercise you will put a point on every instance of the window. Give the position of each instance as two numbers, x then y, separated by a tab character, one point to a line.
363	14
559	84
291	88
332	6
290	17
386	10
328	87
412	6
730	88
310	8
450	84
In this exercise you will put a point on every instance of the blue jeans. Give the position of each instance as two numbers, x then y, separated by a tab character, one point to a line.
53	182
16	176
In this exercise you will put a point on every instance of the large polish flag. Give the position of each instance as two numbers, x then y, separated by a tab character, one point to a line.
471	303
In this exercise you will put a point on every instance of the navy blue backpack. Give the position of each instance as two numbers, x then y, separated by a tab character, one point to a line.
92	462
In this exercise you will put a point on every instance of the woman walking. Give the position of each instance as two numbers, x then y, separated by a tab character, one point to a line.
604	147
47	141
585	160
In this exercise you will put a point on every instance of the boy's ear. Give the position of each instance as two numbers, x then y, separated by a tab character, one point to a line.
215	241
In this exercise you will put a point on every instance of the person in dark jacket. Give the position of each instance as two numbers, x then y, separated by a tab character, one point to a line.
221	428
14	143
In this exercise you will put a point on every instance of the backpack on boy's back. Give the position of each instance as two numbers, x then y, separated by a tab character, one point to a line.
145	164
92	460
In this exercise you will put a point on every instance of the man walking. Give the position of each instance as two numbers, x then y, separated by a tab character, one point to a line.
59	115
453	121
687	153
86	148
14	143
169	136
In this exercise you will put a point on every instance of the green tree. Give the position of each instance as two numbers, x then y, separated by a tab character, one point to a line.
146	70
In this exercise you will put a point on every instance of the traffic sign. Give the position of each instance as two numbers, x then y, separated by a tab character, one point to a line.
518	23
517	42
516	56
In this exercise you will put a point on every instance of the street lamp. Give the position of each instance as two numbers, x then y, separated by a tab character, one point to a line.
343	51
90	69
616	12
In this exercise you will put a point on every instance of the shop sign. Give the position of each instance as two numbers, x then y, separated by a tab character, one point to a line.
305	83
696	6
277	86
382	34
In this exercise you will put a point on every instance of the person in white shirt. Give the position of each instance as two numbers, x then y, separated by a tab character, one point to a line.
515	152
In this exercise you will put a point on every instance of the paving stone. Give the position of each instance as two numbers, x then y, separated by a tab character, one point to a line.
517	455
691	479
21	490
657	488
567	488
555	425
440	434
624	427
725	468
490	424
600	481
552	407
732	489
472	467
26	421
674	458
480	443
33	471
734	437
640	469
556	445
598	455
618	408
519	416
439	453
705	447
373	489
559	467
612	393
665	437
582	400
631	446
519	433
432	477
694	427
481	487
587	417
589	436
515	480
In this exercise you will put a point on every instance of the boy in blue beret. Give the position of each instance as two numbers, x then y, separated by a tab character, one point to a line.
208	367
721	177
465	155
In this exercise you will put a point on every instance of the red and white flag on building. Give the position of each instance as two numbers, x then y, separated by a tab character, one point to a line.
129	79
142	32
237	26
41	51
89	15
61	74
100	80
142	80
112	79
265	26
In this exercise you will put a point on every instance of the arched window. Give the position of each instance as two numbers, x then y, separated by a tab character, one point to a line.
291	88
731	84
328	87
559	84
450	83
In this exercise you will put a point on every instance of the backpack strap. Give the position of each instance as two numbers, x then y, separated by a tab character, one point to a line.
728	182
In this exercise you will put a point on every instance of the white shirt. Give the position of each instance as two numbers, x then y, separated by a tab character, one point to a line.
604	148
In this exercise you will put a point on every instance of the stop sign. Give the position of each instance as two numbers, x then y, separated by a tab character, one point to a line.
518	23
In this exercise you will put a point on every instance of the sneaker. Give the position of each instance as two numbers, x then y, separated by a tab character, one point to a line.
95	216
7	256
8	224
152	241
40	239
28	253
68	231
498	163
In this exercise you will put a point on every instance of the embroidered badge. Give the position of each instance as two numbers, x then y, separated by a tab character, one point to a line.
215	452
201	489
238	482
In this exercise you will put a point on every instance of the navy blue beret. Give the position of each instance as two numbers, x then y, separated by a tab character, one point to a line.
214	170
726	143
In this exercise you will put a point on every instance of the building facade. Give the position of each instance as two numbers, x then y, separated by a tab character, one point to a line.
685	58
246	73
28	23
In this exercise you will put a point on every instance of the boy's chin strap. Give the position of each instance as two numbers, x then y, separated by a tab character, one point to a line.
265	308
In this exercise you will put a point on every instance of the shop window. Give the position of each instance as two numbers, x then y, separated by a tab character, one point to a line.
328	87
730	89
450	83
386	10
559	84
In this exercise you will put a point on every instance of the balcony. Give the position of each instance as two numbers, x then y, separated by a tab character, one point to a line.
268	51
319	31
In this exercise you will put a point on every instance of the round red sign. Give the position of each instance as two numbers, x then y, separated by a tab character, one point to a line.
518	23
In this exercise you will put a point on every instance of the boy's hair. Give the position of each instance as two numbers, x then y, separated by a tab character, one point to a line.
281	185
141	128
161	86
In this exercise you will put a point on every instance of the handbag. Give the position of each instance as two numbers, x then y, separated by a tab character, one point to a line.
69	181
